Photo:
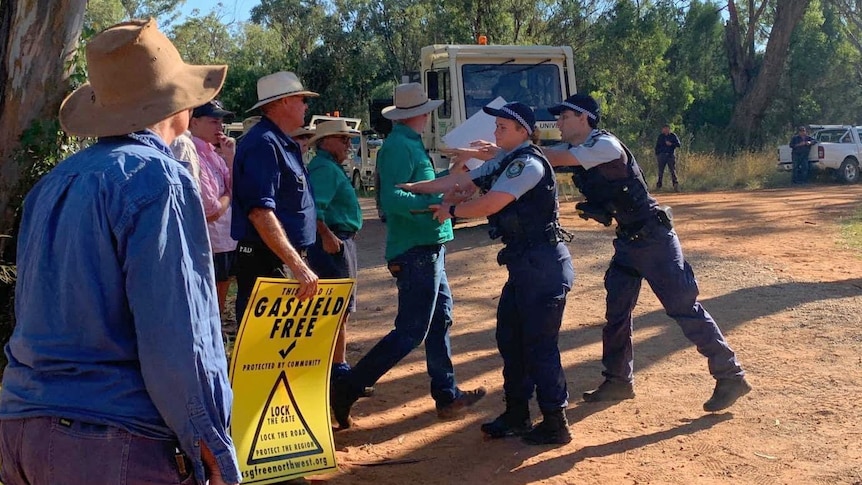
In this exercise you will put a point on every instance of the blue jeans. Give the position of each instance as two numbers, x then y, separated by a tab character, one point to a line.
528	324
800	166
657	258
424	314
61	452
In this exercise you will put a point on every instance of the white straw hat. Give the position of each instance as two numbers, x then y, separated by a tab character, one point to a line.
279	85
410	101
332	128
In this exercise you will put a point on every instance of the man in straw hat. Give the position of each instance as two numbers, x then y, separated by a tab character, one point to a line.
339	218
116	366
520	200
302	135
415	253
273	207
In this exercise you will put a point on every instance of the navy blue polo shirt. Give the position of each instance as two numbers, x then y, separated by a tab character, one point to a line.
268	172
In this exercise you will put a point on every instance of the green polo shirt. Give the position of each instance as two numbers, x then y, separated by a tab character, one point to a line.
402	159
334	196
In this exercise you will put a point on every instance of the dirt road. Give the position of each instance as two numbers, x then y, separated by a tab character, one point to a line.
773	273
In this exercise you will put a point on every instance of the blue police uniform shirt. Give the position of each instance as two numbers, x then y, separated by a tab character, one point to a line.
268	173
117	316
521	175
597	149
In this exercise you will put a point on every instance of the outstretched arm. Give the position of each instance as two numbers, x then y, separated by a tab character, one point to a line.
439	185
488	204
561	157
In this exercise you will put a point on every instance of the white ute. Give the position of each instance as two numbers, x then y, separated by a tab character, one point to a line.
838	149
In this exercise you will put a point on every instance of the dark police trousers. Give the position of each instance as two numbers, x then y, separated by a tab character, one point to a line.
656	256
528	323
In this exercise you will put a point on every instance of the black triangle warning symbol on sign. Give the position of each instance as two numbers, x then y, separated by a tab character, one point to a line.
282	432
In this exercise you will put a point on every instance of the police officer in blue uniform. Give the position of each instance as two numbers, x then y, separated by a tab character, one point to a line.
520	200
646	248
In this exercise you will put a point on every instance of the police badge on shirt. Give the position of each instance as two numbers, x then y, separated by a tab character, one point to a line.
514	169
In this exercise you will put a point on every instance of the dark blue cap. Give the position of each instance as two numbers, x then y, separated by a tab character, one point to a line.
213	109
581	103
519	112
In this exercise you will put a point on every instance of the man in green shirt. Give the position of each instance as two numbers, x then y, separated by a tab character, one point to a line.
415	253
339	218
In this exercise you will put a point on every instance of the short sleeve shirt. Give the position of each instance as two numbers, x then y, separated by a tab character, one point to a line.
597	149
269	173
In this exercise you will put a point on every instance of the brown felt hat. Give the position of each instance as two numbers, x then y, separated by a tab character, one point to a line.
136	79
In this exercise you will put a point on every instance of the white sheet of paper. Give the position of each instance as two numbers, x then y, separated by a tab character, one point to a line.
480	126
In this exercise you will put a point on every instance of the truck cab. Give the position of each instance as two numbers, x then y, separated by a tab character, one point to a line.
467	77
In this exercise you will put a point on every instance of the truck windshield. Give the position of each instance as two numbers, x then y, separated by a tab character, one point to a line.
536	85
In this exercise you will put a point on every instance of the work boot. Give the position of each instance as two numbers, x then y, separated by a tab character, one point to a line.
553	430
342	399
465	400
726	392
610	391
676	187
515	421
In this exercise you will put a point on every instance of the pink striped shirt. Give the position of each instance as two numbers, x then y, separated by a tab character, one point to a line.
215	182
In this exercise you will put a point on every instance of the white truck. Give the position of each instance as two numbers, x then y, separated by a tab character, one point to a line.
467	77
838	149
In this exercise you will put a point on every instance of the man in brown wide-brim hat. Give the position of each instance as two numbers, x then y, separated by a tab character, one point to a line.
116	367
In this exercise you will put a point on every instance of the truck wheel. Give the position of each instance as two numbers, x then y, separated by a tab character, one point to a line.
848	173
357	181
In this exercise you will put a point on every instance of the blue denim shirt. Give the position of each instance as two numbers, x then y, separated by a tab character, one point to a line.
117	320
268	173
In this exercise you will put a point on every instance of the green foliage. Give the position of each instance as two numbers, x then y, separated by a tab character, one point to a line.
649	62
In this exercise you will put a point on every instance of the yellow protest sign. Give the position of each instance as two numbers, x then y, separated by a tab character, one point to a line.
279	374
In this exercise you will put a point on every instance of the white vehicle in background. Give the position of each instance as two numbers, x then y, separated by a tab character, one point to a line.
467	77
838	150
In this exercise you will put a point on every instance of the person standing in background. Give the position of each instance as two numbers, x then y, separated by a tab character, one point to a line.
216	153
665	152
800	145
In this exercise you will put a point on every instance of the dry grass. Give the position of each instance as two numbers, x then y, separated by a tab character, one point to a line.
851	231
704	172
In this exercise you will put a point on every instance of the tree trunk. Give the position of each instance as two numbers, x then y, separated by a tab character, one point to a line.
37	40
754	87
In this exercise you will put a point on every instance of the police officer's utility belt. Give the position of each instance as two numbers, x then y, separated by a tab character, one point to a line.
663	217
516	246
552	234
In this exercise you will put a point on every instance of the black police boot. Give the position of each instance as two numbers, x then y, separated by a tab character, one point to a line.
726	392
515	421
342	398
610	391
553	430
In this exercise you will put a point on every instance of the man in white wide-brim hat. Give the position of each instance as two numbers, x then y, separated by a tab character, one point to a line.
339	218
273	218
415	253
116	366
